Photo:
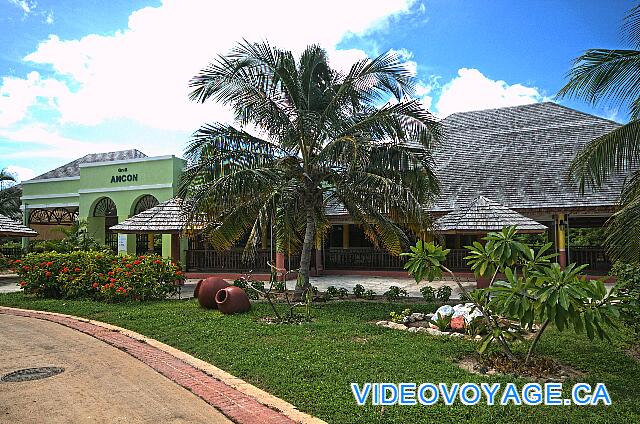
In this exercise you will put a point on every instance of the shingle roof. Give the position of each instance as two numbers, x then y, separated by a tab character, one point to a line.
483	215
166	217
518	156
11	228
72	169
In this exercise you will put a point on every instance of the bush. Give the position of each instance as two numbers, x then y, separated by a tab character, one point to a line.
443	294
369	294
428	293
331	291
4	262
342	292
399	316
358	290
98	275
394	293
628	281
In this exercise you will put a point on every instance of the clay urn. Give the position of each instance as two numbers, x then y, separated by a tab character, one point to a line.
207	290
232	300
197	289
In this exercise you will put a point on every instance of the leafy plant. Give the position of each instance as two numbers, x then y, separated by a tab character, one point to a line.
628	283
369	294
443	322
394	293
428	293
358	290
444	293
279	286
342	292
425	260
399	316
476	327
332	291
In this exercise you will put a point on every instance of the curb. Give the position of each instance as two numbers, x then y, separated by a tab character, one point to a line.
233	405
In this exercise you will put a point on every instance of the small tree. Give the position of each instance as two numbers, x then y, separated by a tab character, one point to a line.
534	290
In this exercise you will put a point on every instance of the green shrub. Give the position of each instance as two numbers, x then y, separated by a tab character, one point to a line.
331	291
242	283
399	316
394	293
428	293
342	292
98	275
369	294
441	321
279	286
358	290
4	262
444	293
628	281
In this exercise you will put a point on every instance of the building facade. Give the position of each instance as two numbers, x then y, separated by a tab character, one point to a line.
517	156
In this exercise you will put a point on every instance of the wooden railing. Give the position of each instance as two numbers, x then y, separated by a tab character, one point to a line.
363	258
596	257
11	252
233	261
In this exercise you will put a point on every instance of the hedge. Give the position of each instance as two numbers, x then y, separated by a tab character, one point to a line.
98	275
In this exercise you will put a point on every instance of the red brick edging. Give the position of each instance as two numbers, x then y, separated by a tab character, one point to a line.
236	405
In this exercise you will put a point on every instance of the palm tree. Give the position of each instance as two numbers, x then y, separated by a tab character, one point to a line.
9	196
613	76
6	176
318	137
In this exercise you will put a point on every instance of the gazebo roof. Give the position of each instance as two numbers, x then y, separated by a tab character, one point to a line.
165	218
483	215
11	228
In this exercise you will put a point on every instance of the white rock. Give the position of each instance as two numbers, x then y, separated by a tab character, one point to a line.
444	310
453	334
422	330
396	326
413	329
417	316
382	323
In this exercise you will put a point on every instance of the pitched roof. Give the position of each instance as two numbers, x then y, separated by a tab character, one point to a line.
166	217
518	156
11	228
483	215
72	169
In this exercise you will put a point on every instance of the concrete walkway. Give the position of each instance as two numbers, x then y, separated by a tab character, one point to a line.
100	383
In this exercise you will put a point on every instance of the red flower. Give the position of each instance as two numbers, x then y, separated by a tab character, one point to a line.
157	262
113	280
141	257
128	274
128	265
47	274
178	272
101	274
49	263
17	261
76	269
95	285
65	269
111	285
136	262
43	264
26	268
23	283
110	273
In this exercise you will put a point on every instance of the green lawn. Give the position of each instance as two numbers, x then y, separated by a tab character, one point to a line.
312	365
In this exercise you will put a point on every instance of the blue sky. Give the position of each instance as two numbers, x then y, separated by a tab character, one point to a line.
78	77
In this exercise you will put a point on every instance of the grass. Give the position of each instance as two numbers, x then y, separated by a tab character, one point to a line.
312	365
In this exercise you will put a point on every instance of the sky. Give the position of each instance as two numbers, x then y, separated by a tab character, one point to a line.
89	76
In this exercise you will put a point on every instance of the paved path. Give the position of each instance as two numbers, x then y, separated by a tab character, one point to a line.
100	382
104	384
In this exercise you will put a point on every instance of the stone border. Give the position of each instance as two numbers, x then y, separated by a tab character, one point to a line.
235	398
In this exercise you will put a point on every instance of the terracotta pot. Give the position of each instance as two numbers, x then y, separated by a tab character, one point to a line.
208	290
482	282
197	289
232	300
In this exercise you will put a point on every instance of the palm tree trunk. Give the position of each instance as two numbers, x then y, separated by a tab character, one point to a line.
307	247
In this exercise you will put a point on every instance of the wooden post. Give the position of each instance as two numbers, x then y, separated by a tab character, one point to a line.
150	243
345	236
175	248
561	227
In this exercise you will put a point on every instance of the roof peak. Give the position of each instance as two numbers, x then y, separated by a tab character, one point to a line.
72	169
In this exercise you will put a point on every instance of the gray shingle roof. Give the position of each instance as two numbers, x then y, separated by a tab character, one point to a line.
483	215
518	156
72	169
166	217
11	228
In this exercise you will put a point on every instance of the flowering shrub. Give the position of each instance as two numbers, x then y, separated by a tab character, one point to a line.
98	275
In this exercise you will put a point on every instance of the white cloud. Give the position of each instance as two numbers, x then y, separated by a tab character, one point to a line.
50	144
48	18
471	90
20	173
142	72
17	95
26	5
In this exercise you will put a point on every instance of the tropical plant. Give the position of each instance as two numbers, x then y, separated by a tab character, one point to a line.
443	322
358	290
399	316
428	293
307	136
10	202
611	76
424	260
394	293
444	293
628	282
369	294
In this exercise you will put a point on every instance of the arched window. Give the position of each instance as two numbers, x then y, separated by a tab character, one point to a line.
145	202
105	207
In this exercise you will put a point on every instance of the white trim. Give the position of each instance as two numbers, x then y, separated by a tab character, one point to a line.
50	180
48	196
50	205
125	188
116	162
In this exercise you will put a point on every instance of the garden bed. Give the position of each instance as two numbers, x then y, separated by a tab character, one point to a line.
313	365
